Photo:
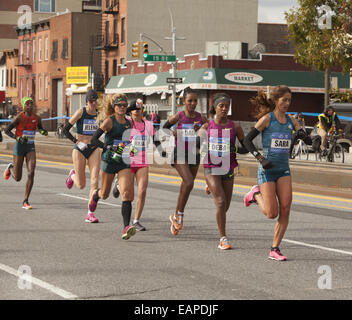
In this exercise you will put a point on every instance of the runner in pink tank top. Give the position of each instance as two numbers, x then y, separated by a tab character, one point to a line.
186	154
219	138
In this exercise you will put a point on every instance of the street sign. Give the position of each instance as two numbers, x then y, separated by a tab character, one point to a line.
159	58
174	80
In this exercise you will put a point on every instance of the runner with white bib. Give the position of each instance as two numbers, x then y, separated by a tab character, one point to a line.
273	193
83	152
26	124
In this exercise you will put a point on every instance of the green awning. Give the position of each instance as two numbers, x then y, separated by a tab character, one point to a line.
224	79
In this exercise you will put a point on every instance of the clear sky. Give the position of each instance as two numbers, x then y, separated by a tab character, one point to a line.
272	11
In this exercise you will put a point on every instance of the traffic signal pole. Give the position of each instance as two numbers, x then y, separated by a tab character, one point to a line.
174	64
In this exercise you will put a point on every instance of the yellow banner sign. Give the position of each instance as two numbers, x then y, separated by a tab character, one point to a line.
77	75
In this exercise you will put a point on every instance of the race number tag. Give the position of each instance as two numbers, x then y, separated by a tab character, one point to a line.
280	142
29	135
188	132
139	142
89	126
219	146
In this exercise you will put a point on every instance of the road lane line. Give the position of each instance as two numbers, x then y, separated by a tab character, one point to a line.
317	246
86	199
319	204
56	290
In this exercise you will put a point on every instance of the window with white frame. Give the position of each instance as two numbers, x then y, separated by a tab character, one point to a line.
46	48
39	87
46	87
44	6
40	49
33	50
21	52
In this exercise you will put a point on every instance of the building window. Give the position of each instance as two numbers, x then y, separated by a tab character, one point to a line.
27	52
21	52
122	30
46	49
39	87
114	67
54	50
33	50
44	6
107	3
107	31
64	53
7	77
106	71
15	79
115	31
2	78
27	87
11	78
40	49
21	88
46	87
122	61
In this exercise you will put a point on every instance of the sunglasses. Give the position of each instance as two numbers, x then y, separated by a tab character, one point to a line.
121	105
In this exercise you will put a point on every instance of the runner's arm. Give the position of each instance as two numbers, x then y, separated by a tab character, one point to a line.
77	115
240	136
12	125
262	124
40	127
105	127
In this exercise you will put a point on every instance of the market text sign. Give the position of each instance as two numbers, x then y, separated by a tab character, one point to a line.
243	77
77	75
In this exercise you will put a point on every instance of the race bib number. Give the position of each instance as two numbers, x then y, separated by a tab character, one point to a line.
188	132
140	142
29	135
280	142
219	146
89	126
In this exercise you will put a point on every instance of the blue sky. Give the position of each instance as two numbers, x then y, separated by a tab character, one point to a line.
273	10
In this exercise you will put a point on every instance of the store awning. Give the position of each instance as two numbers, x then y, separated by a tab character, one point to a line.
224	79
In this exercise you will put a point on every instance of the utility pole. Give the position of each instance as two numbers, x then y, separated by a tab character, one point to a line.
174	64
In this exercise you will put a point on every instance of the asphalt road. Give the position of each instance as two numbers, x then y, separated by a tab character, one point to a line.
70	259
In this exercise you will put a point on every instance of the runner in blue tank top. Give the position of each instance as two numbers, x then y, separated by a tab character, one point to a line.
274	193
219	139
83	152
186	154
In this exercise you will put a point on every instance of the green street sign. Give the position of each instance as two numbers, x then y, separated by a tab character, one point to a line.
159	58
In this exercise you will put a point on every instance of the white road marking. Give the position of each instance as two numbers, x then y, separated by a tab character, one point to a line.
58	291
86	199
317	246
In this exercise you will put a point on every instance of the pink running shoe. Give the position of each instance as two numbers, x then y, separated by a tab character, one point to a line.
93	201
128	232
91	218
275	254
248	199
69	180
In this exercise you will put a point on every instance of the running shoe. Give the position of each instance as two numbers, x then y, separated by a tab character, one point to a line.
90	218
224	244
69	180
128	232
26	205
248	199
93	201
138	226
207	190
7	172
275	254
115	190
173	227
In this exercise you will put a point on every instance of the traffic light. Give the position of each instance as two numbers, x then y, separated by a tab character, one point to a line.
145	49
136	49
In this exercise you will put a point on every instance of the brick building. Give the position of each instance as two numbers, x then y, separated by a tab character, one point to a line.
11	76
46	50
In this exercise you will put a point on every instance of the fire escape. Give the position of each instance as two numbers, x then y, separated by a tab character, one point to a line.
106	40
